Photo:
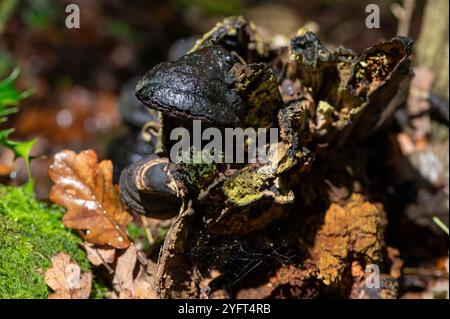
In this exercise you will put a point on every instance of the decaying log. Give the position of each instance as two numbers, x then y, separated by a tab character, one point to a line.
350	238
307	224
171	271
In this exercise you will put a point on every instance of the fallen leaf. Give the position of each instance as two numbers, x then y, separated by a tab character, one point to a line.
126	294
99	256
125	284
142	288
123	276
84	187
66	280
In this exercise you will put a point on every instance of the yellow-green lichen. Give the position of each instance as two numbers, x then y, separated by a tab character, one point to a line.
325	108
246	187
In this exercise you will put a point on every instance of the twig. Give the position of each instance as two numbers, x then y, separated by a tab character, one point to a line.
404	15
104	263
424	272
148	233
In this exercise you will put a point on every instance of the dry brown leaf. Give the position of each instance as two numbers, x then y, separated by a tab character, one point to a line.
99	256
66	280
143	289
126	294
84	187
124	283
123	276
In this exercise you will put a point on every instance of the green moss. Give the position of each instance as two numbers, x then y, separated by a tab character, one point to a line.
100	289
197	172
201	173
245	188
31	233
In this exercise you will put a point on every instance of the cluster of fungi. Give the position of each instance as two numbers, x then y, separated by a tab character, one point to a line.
309	222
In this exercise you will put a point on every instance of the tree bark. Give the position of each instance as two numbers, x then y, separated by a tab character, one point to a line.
432	44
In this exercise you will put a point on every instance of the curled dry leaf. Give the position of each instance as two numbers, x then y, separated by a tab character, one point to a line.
84	187
99	256
142	288
125	284
66	280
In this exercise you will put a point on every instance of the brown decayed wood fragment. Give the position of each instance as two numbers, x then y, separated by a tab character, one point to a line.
288	281
351	232
173	276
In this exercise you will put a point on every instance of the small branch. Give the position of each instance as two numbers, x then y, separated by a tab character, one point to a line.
147	230
104	263
403	14
424	272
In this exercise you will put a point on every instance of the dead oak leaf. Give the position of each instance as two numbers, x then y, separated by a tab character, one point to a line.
123	276
142	288
84	187
99	255
66	279
128	286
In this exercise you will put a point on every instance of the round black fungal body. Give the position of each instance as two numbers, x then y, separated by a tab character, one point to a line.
197	86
